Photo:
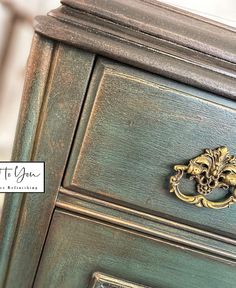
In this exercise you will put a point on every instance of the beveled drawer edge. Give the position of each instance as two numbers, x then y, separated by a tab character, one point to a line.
184	236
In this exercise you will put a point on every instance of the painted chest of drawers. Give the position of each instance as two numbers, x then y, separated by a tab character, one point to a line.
131	104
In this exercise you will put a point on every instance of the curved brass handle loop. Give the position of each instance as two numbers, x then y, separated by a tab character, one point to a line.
213	169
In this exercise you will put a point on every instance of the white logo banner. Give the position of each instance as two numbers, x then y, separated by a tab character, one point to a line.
22	177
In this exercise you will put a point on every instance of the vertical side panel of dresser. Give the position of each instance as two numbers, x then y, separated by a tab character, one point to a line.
55	87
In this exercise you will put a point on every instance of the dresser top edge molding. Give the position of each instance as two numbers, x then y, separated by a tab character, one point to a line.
157	38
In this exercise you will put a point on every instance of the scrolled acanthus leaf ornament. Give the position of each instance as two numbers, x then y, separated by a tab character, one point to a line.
214	169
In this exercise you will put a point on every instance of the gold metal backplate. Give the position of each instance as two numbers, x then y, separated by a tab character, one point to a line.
214	169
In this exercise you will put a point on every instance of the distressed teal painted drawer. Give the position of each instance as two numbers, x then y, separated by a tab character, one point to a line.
134	127
104	108
77	246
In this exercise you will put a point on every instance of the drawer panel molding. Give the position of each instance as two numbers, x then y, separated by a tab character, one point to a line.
134	127
171	232
78	245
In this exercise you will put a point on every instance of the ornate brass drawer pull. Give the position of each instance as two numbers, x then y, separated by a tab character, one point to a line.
213	169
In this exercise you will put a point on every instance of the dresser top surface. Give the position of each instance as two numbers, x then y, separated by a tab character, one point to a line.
162	20
152	36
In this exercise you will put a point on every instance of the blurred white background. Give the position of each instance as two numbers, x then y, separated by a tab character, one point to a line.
219	10
16	18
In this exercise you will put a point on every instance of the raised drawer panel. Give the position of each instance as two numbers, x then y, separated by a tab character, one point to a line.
134	128
76	247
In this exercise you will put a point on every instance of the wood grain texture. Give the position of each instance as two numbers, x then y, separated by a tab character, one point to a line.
76	247
65	89
134	128
169	44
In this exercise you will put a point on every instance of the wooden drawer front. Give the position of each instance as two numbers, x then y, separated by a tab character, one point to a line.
76	247
135	126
